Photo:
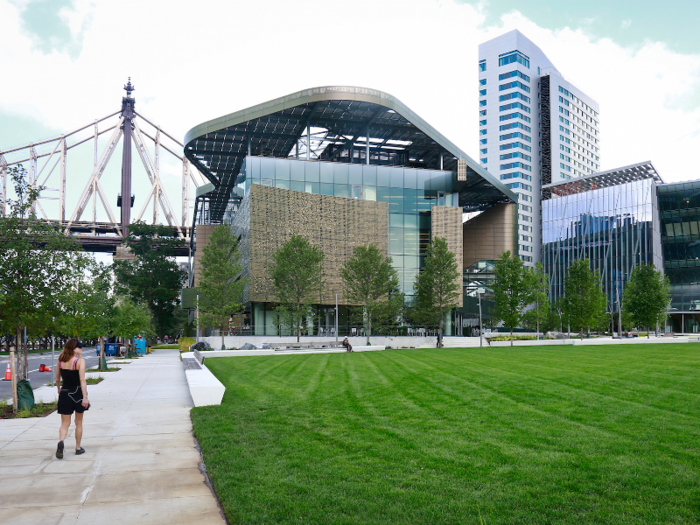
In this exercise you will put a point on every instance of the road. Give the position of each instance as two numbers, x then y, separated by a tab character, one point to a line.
37	378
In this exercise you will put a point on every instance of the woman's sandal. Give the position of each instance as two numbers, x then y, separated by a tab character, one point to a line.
59	450
79	451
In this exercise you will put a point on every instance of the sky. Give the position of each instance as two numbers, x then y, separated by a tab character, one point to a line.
65	62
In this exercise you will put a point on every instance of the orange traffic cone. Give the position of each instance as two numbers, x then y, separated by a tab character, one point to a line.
8	373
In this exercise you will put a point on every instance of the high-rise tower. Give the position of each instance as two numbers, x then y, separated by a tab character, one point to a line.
535	128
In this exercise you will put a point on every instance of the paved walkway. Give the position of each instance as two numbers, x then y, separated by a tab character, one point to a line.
141	464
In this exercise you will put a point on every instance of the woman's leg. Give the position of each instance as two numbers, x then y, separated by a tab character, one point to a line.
65	423
78	429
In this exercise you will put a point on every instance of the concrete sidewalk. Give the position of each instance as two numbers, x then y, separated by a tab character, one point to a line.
140	466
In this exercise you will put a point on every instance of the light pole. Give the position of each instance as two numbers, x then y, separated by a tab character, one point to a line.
53	320
336	318
198	318
481	329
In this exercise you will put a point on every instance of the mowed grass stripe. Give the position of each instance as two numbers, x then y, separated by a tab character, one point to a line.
410	437
682	399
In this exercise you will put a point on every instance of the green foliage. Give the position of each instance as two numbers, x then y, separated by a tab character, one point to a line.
154	277
220	286
437	287
131	319
538	285
297	280
512	338
370	281
646	296
584	301
511	290
38	265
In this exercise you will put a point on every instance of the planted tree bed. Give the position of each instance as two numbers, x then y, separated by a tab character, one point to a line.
573	434
39	410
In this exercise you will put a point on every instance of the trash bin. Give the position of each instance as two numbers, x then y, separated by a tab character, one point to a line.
25	395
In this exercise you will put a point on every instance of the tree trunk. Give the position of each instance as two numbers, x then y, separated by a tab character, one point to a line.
103	342
13	371
511	336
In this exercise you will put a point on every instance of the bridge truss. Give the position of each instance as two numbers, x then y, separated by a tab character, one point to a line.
47	163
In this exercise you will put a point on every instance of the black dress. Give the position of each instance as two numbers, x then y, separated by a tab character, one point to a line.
71	397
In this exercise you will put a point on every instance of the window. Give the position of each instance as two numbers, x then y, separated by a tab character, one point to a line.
515	105
514	115
515	125
484	151
518	175
525	228
514	94
482	65
525	238
515	145
516	165
513	57
482	122
526	198
266	182
482	112
484	141
516	135
356	191
514	84
482	92
515	73
482	82
482	103
484	161
524	218
525	207
515	185
515	155
525	248
482	132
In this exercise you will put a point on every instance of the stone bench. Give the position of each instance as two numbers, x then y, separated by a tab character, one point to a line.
205	388
304	344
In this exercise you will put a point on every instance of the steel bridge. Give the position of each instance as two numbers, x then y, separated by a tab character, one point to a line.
107	234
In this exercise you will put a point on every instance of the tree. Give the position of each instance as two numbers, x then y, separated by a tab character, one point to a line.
511	290
369	278
584	300
153	277
538	285
131	319
36	267
220	286
646	296
297	280
437	287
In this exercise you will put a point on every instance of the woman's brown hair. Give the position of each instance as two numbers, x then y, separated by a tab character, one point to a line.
68	350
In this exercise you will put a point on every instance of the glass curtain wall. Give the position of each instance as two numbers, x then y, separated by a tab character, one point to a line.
679	211
410	193
615	227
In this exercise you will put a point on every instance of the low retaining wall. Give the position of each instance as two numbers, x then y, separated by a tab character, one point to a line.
596	341
205	388
206	354
231	341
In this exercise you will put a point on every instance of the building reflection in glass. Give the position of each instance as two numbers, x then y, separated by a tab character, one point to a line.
611	218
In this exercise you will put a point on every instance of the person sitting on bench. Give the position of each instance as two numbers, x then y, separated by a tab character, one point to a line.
347	344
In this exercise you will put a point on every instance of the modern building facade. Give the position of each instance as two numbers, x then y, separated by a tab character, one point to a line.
611	218
342	166
679	210
535	128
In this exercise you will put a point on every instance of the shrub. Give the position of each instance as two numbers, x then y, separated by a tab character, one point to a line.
515	338
185	343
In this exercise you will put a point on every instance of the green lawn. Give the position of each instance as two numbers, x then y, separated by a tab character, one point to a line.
534	435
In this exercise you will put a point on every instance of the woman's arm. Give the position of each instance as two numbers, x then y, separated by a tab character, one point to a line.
58	376
83	383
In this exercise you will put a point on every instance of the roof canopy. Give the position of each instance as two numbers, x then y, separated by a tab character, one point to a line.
602	179
332	124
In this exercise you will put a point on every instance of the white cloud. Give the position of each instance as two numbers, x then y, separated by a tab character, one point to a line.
625	24
192	62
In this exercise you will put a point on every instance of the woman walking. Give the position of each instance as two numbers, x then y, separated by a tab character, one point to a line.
72	393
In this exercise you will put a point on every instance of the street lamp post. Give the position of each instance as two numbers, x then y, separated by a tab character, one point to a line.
481	329
198	318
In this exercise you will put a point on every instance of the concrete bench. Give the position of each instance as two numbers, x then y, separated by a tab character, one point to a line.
205	388
305	344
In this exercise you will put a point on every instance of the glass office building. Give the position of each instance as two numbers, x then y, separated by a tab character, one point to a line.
679	210
611	218
343	166
410	194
